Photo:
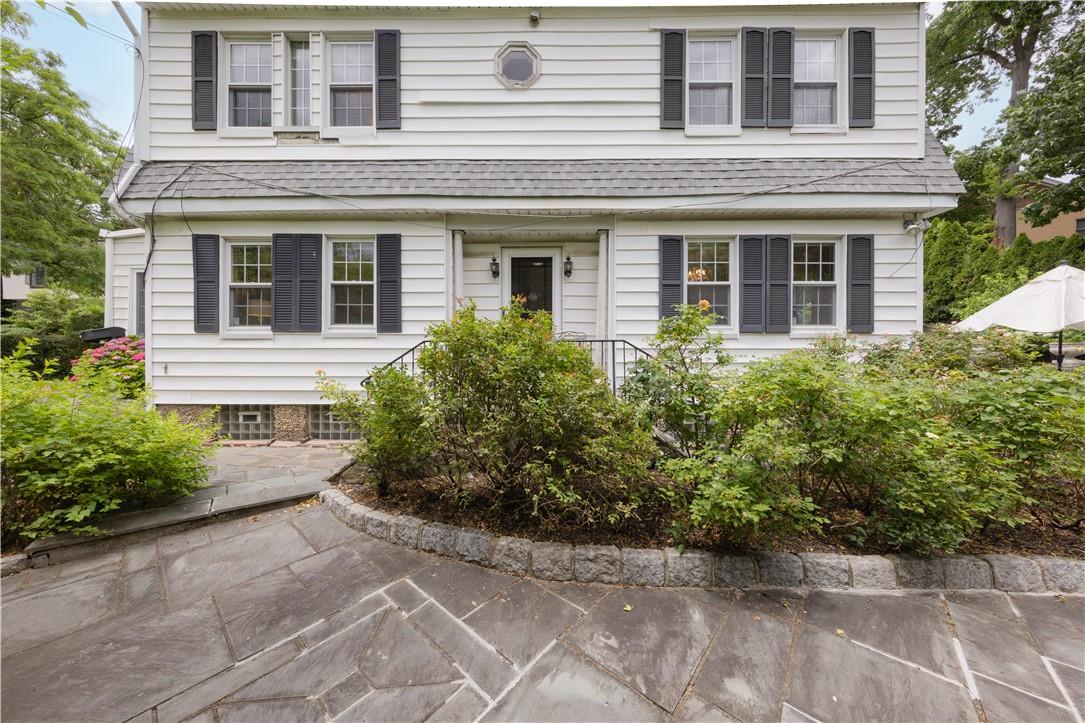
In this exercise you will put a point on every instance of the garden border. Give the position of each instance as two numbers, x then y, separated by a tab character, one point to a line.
671	567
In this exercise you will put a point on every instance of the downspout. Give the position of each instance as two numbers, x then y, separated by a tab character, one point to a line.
118	190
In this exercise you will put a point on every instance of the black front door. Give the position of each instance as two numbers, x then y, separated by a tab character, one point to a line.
532	279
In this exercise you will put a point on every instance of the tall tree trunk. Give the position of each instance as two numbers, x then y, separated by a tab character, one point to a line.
1006	206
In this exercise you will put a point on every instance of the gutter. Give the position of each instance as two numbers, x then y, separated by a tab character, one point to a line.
127	20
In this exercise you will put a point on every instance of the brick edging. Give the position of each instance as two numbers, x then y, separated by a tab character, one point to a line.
697	568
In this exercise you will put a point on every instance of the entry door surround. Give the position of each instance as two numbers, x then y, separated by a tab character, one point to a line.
508	253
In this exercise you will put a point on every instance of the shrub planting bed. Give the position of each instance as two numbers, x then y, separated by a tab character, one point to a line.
76	448
943	443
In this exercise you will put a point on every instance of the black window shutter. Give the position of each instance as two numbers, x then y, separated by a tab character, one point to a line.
205	274
284	282
672	79
861	77
670	275
389	283
781	77
754	76
387	115
861	283
309	278
778	293
752	280
205	45
141	304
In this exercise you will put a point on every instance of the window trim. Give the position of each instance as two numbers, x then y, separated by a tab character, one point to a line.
536	65
733	128
839	282
226	285
328	128
840	37
1079	226
732	281
225	128
330	327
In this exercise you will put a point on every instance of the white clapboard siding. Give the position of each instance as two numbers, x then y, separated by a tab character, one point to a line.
597	96
128	255
217	369
578	292
636	276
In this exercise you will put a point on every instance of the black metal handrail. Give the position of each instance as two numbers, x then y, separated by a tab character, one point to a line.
613	356
406	360
622	353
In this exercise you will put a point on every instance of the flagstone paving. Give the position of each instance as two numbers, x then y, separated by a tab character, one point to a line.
291	616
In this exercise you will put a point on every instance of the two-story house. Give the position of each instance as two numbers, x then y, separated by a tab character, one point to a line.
317	185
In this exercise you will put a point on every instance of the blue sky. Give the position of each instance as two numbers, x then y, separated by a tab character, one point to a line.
99	67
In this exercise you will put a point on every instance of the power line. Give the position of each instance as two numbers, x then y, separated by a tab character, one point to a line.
91	26
347	201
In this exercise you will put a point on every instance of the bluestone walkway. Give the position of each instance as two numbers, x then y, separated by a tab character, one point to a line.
241	477
291	616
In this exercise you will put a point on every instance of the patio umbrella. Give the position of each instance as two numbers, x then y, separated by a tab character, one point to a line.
1050	303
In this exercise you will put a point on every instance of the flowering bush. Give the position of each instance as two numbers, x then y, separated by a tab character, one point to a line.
73	450
118	360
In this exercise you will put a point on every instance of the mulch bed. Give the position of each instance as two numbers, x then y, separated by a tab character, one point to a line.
422	498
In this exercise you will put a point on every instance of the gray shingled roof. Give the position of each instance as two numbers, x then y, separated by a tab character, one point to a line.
932	174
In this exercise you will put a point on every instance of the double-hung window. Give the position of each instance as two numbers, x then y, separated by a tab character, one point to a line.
250	85
300	89
813	283
250	283
708	277
816	82
710	82
352	297
351	84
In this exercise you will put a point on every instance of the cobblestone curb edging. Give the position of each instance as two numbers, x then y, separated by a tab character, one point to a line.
697	568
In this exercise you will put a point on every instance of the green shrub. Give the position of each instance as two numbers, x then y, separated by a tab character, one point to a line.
940	350
915	453
396	441
533	419
677	386
51	319
73	450
507	418
960	263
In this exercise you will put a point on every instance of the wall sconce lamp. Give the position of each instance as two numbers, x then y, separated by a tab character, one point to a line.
495	267
568	266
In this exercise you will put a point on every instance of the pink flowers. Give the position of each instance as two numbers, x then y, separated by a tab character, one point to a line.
121	359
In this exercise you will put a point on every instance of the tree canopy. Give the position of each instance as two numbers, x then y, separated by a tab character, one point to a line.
56	159
973	48
1048	129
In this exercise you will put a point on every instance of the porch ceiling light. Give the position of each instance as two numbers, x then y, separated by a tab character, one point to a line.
568	266
495	267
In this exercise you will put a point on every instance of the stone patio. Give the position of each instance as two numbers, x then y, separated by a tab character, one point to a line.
292	616
242	477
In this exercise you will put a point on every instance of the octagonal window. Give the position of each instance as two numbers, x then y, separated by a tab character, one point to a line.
517	65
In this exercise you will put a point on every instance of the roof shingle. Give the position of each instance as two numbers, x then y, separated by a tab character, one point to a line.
932	174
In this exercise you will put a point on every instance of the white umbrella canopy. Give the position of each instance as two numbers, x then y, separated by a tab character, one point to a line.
1051	302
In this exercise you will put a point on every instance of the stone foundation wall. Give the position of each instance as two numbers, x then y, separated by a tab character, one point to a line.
187	412
291	422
